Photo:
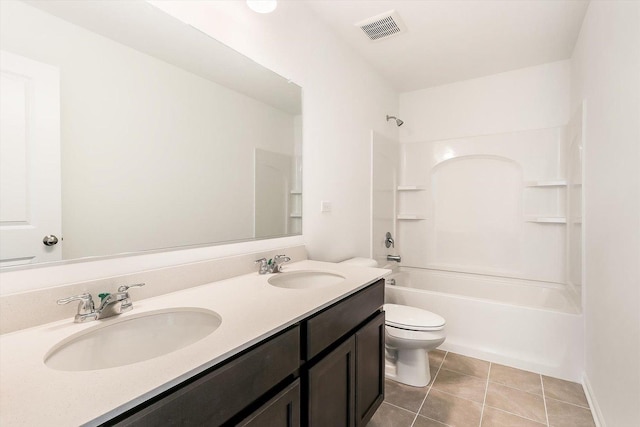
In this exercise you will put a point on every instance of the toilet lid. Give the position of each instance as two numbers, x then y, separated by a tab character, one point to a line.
405	317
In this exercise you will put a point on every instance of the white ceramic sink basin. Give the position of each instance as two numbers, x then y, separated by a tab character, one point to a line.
305	279
132	339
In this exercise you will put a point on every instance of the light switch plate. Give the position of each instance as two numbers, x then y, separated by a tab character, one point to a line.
325	206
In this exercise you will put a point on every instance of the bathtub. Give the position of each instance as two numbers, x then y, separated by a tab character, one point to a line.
524	324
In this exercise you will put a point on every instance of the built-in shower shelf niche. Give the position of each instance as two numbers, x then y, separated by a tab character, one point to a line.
295	205
411	199
295	211
411	187
546	201
547	219
410	217
550	183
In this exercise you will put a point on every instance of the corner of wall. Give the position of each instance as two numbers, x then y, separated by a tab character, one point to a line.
593	403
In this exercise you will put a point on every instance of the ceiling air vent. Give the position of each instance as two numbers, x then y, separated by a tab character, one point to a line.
382	26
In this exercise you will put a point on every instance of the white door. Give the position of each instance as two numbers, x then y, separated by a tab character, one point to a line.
272	184
384	179
30	204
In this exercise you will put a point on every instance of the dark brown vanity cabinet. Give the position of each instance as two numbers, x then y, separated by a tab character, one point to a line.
327	370
218	397
346	380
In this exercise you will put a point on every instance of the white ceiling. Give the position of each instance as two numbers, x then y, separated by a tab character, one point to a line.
449	40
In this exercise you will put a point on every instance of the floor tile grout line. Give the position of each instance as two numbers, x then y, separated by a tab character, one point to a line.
516	388
439	422
517	415
462	373
568	403
400	407
433	380
458	397
486	389
544	400
422	403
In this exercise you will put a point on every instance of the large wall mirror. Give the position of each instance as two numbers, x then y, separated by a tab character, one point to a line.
126	130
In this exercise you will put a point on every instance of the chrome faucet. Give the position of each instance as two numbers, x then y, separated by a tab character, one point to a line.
116	303
273	265
276	263
395	258
110	304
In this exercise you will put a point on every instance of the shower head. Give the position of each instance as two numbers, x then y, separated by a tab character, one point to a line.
398	121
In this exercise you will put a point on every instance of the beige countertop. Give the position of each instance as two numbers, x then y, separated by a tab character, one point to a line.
32	394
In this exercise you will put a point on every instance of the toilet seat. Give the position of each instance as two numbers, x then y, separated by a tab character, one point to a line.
412	318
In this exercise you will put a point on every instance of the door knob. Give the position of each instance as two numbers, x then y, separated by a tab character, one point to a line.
50	240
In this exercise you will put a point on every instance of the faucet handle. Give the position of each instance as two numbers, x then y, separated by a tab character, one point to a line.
86	302
125	288
123	296
86	309
278	260
264	267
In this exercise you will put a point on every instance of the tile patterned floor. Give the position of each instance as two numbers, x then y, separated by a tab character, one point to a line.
471	392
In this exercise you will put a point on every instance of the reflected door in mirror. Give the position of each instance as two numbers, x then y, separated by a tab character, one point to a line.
29	161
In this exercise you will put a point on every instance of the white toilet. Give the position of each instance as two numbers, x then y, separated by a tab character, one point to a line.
410	334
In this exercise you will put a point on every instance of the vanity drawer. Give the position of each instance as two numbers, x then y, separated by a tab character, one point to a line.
330	325
219	395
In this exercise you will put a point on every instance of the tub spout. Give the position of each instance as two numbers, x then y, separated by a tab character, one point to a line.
395	258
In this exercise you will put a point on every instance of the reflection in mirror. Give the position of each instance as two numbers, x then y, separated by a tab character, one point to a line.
126	130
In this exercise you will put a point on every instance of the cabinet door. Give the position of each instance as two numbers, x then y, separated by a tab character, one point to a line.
281	411
332	388
369	369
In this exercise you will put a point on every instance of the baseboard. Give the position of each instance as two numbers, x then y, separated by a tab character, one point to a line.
593	403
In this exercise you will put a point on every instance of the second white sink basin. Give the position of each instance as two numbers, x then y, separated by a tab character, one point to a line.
132	339
305	279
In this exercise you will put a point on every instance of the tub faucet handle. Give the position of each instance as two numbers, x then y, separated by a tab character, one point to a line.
388	241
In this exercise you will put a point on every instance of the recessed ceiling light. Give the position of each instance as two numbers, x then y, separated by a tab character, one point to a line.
262	6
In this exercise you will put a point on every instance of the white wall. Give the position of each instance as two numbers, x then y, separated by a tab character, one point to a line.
606	74
529	98
343	100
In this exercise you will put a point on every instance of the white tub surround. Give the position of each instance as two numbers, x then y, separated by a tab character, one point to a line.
531	326
250	308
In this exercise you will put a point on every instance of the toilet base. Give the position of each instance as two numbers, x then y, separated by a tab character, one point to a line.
410	367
